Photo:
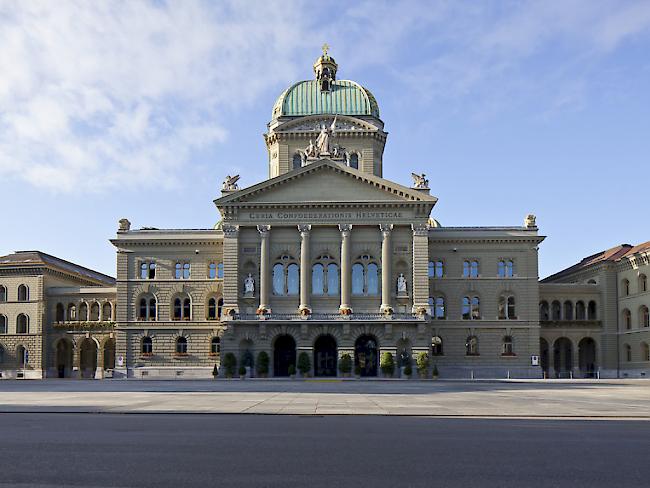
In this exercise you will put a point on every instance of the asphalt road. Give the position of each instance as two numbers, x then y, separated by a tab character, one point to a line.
160	450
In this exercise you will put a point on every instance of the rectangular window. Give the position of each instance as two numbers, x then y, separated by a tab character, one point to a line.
470	269
182	271
148	270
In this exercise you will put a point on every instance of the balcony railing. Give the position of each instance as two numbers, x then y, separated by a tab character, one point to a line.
329	317
570	323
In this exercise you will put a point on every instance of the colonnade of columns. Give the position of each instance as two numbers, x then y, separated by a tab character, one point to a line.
345	268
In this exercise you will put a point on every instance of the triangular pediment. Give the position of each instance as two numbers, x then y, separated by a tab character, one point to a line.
325	182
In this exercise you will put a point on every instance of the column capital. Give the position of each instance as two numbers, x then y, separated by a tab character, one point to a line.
230	230
304	228
264	230
420	229
385	229
345	229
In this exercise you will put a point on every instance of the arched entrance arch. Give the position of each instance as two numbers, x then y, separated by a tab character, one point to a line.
587	357
366	356
284	354
562	357
109	354
544	355
64	358
325	356
88	358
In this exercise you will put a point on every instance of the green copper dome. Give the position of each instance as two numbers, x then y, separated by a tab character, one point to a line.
344	97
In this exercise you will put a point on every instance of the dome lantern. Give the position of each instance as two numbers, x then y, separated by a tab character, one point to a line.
325	70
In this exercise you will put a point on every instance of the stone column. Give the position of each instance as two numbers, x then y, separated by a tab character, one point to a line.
386	267
420	285
231	284
346	270
305	268
265	272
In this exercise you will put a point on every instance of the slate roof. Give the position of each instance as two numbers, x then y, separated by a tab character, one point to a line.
38	258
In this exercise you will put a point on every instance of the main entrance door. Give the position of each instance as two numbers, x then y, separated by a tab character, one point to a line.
284	355
325	356
88	358
365	355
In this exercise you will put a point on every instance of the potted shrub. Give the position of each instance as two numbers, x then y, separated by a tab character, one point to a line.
357	372
422	362
263	364
215	372
434	373
229	364
345	365
408	371
242	372
292	371
304	364
387	364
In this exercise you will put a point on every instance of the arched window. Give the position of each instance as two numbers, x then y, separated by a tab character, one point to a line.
318	279
580	310
437	305
437	346
373	279
94	311
332	279
592	310
23	293
215	346
544	311
278	279
3	324
507	347
72	311
212	309
507	307
627	319
471	346
220	271
471	308
22	324
3	294
643	283
297	161
506	268
354	161
182	308
107	311
436	269
293	280
182	271
568	310
470	269
83	311
625	286
148	270
357	279
22	355
365	276
212	271
147	308
219	308
181	345
60	312
556	310
628	352
644	316
645	351
146	345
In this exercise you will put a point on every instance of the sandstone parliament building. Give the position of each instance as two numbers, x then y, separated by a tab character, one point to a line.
327	258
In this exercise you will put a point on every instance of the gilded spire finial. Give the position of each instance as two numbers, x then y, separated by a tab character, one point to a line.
325	48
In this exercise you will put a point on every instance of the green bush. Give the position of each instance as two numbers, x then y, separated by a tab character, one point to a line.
242	371
304	363
263	363
408	371
292	370
229	364
387	364
422	362
345	363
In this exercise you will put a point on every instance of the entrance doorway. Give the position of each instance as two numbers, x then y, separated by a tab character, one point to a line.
543	355
88	358
64	358
109	354
284	355
325	356
365	355
587	357
562	357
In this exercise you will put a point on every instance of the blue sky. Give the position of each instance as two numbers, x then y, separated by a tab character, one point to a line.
139	110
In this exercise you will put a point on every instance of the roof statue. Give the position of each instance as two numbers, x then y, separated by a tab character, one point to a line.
529	221
323	141
420	181
230	183
124	225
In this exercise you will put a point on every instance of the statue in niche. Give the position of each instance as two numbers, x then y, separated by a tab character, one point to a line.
420	181
249	285
230	183
401	284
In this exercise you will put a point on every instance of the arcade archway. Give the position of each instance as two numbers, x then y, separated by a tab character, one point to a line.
325	356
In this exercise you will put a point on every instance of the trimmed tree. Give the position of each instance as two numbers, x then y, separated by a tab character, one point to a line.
387	364
422	362
304	363
263	363
229	364
345	364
